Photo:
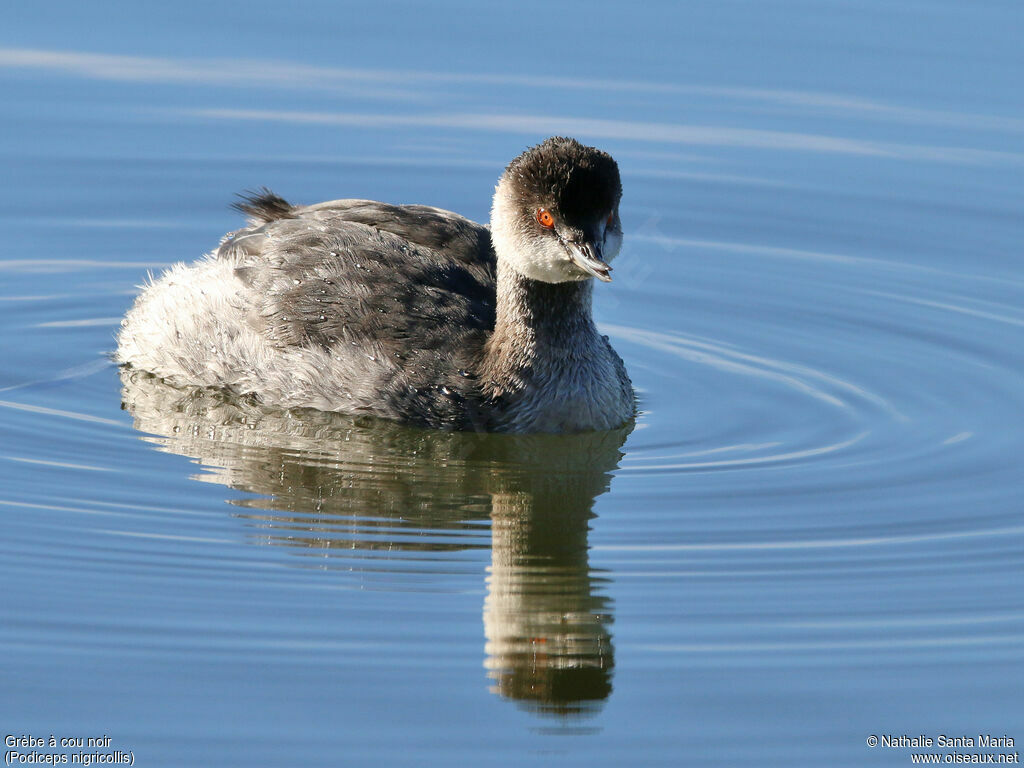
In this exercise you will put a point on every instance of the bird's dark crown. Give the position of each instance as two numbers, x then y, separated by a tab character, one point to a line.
574	181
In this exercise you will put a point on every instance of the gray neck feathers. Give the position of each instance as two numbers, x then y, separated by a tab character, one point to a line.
540	329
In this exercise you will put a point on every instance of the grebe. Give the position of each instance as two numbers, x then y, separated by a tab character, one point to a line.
407	312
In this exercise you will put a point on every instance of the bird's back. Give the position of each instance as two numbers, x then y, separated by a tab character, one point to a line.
347	305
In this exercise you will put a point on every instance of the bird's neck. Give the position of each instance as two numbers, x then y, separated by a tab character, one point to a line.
539	327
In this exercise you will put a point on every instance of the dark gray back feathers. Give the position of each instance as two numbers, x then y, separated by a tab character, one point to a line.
411	289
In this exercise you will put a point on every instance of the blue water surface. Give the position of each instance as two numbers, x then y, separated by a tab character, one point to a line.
813	534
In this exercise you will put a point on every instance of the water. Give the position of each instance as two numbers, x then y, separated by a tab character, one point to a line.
813	533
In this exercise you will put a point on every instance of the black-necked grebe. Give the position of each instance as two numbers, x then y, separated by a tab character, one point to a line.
408	312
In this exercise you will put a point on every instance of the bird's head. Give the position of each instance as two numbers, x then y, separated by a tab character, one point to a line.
555	215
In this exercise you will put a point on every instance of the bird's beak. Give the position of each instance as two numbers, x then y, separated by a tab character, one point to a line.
587	256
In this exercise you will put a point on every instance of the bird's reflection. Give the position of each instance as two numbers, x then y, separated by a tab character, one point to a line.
328	484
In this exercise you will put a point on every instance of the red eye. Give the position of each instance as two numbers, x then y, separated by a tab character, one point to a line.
611	219
545	219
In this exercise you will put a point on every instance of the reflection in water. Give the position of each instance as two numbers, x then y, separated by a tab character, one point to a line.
548	642
379	495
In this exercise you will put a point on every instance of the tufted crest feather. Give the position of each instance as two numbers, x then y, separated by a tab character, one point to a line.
263	206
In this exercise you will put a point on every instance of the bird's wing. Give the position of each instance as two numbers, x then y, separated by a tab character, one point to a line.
410	287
